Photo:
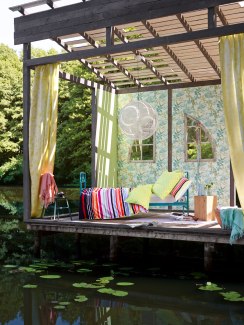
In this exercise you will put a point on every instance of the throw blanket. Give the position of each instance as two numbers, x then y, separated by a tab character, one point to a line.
233	218
106	203
48	189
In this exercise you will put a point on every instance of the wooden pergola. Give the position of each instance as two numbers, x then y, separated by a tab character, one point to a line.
131	46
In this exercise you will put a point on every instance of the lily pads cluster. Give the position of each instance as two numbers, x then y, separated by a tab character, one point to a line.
230	295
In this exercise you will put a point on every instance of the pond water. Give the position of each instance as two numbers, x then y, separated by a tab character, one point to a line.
87	292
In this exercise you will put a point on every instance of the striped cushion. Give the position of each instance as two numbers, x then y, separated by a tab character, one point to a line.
107	203
178	186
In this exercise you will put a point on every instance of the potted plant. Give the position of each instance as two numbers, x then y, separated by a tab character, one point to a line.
208	187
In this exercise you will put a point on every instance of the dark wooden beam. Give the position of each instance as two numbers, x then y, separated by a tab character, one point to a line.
91	15
212	17
170	155
159	41
93	132
169	86
109	36
140	56
199	44
26	117
112	60
169	51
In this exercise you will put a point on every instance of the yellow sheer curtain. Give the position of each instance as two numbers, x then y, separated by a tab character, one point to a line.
42	128
232	76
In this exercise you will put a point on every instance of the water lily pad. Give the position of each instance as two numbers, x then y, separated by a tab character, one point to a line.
125	284
105	278
110	291
9	266
27	269
232	296
38	266
80	298
64	303
30	286
84	270
50	276
59	307
106	290
87	285
210	287
119	293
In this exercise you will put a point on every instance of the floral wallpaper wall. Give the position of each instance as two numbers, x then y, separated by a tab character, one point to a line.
203	104
135	173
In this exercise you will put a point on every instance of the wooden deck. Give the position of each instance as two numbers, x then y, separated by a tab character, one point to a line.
156	225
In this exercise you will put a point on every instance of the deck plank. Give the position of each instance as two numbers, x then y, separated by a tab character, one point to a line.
154	225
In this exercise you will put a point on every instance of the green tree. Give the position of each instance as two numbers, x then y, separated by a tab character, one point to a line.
74	120
74	127
10	116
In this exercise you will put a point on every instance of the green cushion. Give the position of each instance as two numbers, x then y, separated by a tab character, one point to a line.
166	183
140	195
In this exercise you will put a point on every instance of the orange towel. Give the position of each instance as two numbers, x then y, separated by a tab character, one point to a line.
48	189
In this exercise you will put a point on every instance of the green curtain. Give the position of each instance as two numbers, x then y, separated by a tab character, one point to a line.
106	139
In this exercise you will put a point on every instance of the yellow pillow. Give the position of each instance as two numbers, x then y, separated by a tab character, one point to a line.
166	182
140	195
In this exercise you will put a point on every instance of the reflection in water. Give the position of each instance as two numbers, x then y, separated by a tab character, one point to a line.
151	301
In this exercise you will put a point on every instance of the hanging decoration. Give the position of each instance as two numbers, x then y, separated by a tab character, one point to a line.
138	120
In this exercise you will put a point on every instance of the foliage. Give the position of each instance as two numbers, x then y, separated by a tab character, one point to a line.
10	116
15	244
73	152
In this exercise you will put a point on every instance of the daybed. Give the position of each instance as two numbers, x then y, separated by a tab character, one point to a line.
111	203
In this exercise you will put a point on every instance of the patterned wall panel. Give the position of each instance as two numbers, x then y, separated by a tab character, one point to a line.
204	104
134	173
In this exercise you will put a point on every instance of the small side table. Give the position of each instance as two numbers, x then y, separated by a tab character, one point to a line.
204	206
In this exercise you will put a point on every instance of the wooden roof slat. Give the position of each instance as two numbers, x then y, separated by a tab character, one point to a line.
84	17
170	51
199	45
141	58
113	61
67	48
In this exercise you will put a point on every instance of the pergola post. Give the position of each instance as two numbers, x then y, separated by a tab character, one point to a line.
93	131
26	116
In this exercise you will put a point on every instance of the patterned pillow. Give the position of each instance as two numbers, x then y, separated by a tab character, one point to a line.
178	186
182	190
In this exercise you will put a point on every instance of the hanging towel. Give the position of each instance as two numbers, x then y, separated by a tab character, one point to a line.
233	218
48	189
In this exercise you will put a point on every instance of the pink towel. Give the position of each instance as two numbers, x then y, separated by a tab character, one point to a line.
48	189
